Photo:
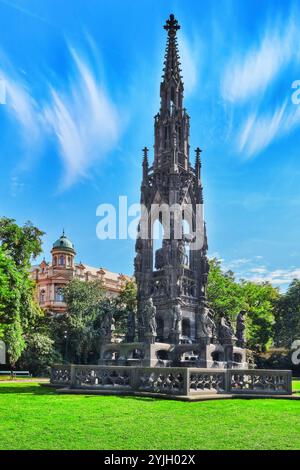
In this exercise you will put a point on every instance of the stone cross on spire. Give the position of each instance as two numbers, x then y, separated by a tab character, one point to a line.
172	26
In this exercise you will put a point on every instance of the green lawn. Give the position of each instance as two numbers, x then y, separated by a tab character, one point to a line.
296	385
34	417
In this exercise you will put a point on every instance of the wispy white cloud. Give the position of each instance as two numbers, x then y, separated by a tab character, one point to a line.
252	269
250	73
260	130
21	106
278	277
190	61
83	119
79	114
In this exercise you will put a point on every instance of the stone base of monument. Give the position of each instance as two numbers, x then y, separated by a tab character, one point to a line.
201	354
186	383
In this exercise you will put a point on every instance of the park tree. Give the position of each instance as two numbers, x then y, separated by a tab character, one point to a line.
75	332
259	302
224	293
39	353
229	296
125	302
287	316
18	309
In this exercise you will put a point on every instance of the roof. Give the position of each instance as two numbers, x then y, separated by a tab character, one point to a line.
64	242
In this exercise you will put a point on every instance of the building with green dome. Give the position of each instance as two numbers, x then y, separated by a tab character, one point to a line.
52	277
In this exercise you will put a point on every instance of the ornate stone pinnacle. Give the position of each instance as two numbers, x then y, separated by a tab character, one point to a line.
198	152
172	26
145	152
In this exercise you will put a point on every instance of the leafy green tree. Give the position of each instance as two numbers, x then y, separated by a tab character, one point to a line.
20	243
18	309
224	293
39	354
229	297
259	302
125	302
287	315
75	332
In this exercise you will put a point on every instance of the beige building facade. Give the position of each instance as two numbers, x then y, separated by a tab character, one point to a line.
52	277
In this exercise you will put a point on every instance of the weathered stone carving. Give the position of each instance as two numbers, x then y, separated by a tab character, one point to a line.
106	378
226	331
201	382
130	335
207	324
260	381
149	314
174	380
240	329
60	374
107	326
177	319
161	382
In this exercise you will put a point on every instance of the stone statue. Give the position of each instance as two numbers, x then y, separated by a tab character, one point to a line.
204	274
149	316
107	325
177	318
240	328
159	258
138	262
130	335
226	330
138	257
182	257
207	324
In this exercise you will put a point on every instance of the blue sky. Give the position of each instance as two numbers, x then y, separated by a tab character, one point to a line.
82	87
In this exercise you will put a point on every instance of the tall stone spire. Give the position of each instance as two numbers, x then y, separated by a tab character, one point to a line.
172	63
171	147
174	272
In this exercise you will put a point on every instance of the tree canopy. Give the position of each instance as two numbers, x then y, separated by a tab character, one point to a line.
18	309
229	297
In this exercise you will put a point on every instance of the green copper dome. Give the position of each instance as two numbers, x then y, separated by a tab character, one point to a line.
64	243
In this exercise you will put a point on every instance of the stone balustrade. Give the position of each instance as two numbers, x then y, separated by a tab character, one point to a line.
60	374
186	381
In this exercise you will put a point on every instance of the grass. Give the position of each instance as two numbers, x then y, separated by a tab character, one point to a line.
296	385
34	417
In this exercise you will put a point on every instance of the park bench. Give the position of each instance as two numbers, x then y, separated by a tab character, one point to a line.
16	373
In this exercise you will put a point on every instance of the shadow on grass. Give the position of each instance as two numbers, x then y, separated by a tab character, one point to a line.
30	390
127	397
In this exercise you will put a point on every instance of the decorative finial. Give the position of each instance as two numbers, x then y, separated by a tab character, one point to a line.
172	26
198	152
145	152
63	232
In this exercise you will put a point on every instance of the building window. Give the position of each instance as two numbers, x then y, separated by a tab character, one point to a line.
61	260
59	297
54	260
42	296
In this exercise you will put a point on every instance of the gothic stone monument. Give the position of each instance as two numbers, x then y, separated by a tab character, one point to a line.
175	345
175	325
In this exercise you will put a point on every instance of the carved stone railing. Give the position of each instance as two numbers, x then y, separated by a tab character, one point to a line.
168	380
186	381
84	376
60	374
206	381
260	381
